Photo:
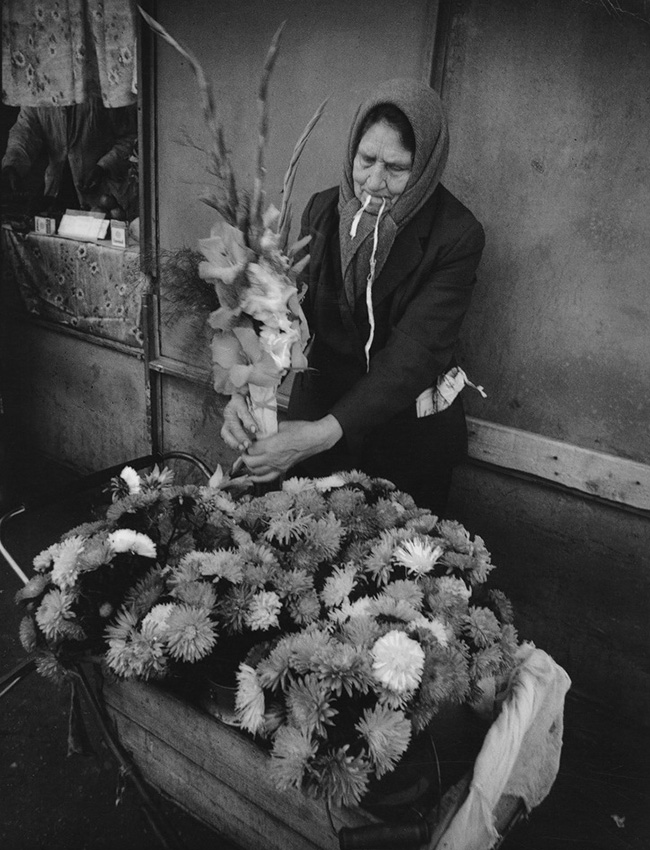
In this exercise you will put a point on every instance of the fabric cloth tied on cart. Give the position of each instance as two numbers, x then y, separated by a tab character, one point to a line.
521	752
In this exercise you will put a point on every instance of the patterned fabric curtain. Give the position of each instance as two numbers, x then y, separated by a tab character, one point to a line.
61	52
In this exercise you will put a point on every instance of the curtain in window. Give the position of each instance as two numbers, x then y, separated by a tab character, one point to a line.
67	51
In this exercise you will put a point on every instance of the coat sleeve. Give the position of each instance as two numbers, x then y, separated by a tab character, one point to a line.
421	343
25	141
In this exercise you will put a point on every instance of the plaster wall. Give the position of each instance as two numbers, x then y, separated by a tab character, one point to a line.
549	109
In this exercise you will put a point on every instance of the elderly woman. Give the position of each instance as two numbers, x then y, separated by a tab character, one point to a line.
393	257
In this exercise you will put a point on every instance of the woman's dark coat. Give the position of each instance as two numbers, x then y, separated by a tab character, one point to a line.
420	299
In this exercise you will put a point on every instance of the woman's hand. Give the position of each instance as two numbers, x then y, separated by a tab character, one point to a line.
239	426
272	456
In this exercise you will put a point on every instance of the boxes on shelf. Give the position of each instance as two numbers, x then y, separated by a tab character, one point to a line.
119	234
45	224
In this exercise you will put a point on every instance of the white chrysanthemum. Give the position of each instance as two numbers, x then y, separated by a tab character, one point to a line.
435	626
449	585
43	561
54	614
338	586
66	563
264	610
419	556
350	610
331	482
297	485
249	703
132	479
155	623
398	661
127	540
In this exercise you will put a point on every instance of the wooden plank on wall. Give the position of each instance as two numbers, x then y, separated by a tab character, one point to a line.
622	481
609	477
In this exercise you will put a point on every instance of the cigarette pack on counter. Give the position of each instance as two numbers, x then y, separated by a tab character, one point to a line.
119	234
44	224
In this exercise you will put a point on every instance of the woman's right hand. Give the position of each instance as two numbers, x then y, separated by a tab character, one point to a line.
239	426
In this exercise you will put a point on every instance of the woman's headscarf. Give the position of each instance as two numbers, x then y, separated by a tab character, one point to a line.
423	108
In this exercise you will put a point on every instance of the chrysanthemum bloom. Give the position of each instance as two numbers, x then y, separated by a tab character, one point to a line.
190	633
132	479
105	610
349	610
331	482
342	667
249	703
155	623
43	561
451	586
220	563
308	702
258	555
147	591
297	485
398	661
293	749
34	587
435	626
54	614
418	556
28	635
342	778
127	540
140	656
264	611
48	665
388	734
66	563
196	593
339	585
405	590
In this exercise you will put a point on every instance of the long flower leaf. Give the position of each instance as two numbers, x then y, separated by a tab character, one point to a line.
290	175
263	128
219	154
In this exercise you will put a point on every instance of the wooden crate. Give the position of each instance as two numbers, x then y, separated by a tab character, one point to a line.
220	776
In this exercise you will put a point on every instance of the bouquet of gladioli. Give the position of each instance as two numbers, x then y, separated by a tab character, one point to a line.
260	332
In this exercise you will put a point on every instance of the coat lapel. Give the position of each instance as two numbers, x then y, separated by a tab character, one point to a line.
407	251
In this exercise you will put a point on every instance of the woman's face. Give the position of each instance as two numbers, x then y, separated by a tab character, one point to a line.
381	168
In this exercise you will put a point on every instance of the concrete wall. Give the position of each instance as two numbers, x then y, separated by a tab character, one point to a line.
549	106
73	402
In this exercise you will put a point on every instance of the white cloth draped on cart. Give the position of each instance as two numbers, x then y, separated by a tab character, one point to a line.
521	752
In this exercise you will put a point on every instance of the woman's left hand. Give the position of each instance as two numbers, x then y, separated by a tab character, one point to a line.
270	457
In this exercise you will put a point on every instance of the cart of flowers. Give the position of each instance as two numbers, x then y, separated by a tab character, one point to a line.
284	666
298	667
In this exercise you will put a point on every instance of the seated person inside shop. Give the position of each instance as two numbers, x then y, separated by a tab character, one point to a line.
393	257
88	149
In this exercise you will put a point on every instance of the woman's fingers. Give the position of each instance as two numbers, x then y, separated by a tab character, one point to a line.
239	426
